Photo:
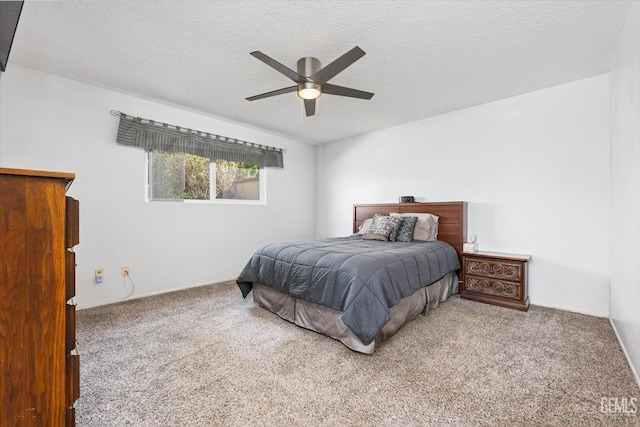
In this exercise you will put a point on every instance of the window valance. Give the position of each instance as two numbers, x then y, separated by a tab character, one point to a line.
155	136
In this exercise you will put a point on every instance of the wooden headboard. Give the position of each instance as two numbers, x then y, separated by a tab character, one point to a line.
452	225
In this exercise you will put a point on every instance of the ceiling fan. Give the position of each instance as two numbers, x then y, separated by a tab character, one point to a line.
311	79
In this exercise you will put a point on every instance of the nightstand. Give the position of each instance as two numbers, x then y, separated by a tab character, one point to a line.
496	278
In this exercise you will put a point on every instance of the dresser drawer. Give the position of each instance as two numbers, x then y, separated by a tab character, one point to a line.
495	269
70	417
73	379
70	328
72	222
494	287
70	275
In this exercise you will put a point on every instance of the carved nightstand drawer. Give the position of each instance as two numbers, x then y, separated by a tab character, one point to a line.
496	278
498	269
501	288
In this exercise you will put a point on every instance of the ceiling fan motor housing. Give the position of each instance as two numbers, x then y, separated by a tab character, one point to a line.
308	66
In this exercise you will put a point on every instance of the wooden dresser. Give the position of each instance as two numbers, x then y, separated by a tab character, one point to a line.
496	278
39	363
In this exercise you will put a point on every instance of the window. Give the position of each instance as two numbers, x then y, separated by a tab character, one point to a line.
187	177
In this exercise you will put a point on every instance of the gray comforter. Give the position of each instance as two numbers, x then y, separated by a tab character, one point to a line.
361	278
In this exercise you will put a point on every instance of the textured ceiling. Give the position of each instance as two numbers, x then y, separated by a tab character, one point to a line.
423	57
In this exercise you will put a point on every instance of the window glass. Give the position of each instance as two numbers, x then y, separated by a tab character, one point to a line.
166	176
179	176
237	181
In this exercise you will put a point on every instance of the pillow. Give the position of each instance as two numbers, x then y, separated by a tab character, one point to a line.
382	228
365	225
426	227
405	232
394	231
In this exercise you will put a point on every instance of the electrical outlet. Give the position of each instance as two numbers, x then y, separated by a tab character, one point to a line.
99	275
125	270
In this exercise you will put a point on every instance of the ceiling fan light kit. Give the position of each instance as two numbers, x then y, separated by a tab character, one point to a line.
309	90
311	79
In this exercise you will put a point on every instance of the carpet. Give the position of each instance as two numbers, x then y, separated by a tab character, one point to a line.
205	356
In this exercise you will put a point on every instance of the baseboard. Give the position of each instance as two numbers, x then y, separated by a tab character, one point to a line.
166	291
626	354
604	316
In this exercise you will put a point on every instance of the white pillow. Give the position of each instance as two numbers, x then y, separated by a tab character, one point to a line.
426	227
365	225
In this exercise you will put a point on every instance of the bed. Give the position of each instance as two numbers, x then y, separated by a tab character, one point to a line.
354	289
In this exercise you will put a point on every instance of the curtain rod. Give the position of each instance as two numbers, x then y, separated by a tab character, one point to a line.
118	113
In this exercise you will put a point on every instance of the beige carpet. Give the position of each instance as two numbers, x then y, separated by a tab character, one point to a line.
205	356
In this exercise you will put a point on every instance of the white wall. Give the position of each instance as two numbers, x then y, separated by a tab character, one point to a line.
625	189
53	123
534	169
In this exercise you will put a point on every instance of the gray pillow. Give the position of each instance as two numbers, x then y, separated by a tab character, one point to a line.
383	227
405	232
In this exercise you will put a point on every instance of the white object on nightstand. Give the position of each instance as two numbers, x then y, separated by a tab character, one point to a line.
471	246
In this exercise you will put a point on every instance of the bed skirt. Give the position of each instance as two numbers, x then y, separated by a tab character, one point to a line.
327	321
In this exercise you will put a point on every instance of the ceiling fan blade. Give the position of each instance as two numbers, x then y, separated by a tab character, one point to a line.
273	93
345	91
310	107
278	66
331	70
